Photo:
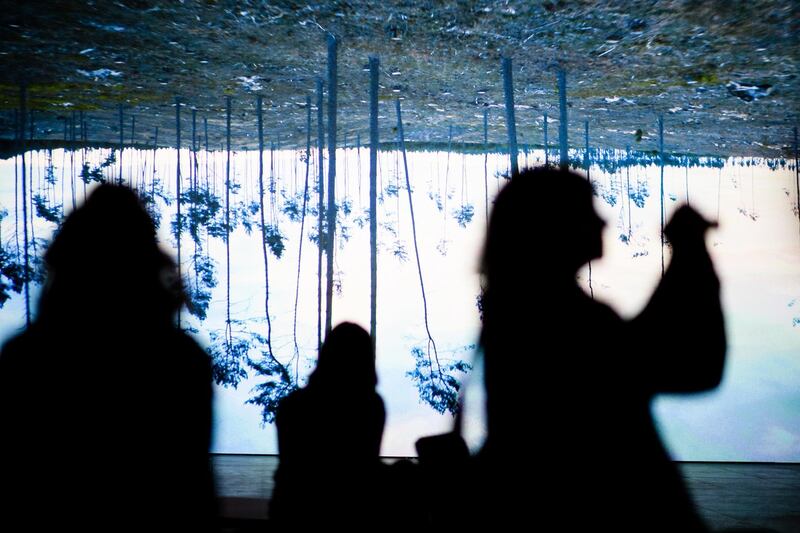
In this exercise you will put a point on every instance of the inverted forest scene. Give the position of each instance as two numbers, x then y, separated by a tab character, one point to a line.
285	194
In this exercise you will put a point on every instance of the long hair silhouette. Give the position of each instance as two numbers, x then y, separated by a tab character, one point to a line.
105	261
105	405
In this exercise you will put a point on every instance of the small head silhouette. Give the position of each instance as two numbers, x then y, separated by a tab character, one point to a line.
105	262
346	360
687	228
550	211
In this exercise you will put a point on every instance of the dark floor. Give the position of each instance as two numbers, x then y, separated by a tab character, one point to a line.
728	495
740	495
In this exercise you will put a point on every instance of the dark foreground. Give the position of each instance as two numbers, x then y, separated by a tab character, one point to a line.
728	495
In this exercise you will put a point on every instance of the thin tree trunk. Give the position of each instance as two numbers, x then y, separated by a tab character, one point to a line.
374	69
587	164
153	181
72	161
194	149
193	185
686	177
486	162
332	45
546	143
16	205
446	184
302	231
179	226
431	342
26	265
263	224
83	162
511	123
563	143
661	197
32	207
321	208
121	144
130	163
628	190
228	332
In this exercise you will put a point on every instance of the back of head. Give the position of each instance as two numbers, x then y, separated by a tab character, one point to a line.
105	264
346	360
548	213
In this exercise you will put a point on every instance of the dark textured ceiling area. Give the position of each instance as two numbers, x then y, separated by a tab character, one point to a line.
724	74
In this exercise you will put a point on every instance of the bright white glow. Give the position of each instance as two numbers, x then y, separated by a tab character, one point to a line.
753	416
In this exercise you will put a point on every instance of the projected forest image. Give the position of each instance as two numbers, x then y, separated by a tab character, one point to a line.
287	179
230	226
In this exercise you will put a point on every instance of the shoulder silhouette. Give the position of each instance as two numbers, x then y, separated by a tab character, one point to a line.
329	438
105	406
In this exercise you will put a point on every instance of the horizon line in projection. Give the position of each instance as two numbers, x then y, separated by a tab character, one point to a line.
755	249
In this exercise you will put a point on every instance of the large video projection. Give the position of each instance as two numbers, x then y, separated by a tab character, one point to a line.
753	416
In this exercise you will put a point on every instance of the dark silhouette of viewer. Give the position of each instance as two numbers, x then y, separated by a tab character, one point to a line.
105	406
329	439
571	439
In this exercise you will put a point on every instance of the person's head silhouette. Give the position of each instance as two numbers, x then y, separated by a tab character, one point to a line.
346	360
549	214
105	265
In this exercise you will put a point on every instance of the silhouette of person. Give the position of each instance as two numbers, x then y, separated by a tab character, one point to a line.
571	439
329	439
105	406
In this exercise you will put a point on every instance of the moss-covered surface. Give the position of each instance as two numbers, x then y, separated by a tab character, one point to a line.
627	62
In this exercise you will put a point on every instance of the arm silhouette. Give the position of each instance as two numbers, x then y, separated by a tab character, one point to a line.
682	329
